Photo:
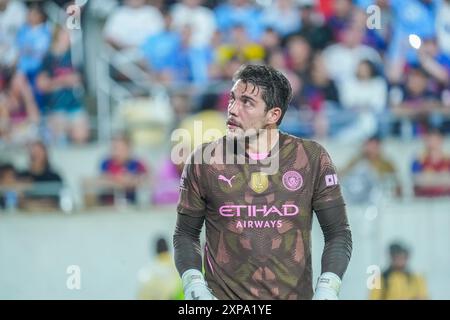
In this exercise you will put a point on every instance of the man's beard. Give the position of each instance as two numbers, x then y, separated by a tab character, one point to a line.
241	134
247	137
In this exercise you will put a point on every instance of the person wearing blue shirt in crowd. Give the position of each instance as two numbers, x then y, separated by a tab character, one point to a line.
33	41
282	16
61	84
410	17
170	55
240	12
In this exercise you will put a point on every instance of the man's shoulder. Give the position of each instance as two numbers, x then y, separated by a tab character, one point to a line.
308	144
210	144
207	148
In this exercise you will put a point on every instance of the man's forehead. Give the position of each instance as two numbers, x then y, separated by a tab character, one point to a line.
240	87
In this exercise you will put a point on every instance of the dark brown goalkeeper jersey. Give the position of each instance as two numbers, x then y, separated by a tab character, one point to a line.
258	222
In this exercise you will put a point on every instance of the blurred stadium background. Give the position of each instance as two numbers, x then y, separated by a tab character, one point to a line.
91	91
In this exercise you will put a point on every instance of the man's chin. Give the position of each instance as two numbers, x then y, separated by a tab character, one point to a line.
235	133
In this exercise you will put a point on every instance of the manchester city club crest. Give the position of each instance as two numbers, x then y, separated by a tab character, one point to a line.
292	180
259	182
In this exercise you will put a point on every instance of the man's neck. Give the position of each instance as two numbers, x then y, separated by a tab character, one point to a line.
264	142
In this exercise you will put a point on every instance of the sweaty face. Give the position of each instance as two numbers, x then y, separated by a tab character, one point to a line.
246	110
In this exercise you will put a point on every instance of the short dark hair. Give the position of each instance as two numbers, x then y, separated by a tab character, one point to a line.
397	248
161	245
39	7
375	138
6	167
276	89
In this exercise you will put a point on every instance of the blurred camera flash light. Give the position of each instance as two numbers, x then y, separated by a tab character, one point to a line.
415	41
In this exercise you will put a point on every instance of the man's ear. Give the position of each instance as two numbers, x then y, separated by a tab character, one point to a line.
273	115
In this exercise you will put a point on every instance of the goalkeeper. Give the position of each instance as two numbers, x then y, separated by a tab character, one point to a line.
258	212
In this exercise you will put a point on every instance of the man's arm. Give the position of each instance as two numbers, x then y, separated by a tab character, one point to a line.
186	240
188	257
337	251
186	243
338	240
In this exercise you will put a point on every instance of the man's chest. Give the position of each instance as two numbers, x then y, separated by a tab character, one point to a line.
246	191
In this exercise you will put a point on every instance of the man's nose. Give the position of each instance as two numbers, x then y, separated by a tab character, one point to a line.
233	108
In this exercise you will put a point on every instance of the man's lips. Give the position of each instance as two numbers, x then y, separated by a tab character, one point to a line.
231	124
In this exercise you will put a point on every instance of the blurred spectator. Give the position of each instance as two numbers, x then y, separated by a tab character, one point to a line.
277	59
62	85
313	28
443	27
241	47
342	59
270	40
33	41
12	16
19	114
181	105
431	171
239	12
132	23
325	7
46	184
281	15
161	52
416	17
167	182
225	72
121	173
299	55
365	95
171	58
9	195
435	63
159	280
368	173
416	103
200	19
398	282
341	17
380	37
320	101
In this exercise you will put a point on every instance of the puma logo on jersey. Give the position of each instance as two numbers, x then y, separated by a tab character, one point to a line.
223	178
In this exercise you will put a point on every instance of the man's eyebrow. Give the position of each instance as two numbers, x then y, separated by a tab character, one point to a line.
248	97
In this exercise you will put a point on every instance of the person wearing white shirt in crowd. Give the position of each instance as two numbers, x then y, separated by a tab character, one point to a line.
200	18
13	15
366	96
132	23
342	58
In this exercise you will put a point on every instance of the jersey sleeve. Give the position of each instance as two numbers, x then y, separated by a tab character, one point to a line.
192	197
327	191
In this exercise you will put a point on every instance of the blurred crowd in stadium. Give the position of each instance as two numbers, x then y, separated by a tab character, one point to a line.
357	76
